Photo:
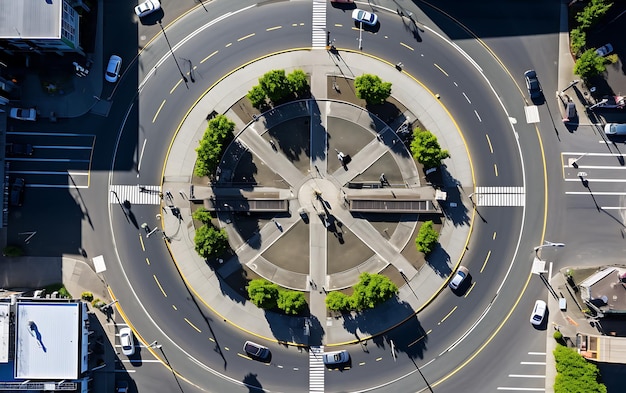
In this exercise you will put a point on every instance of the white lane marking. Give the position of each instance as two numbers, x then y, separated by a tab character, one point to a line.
141	156
525	376
596	166
316	369
533	363
319	24
537	353
478	116
466	97
596	193
523	389
592	154
600	180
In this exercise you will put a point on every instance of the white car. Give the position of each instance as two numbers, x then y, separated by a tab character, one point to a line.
604	50
336	358
459	277
147	7
113	69
127	341
365	17
615	129
29	114
539	312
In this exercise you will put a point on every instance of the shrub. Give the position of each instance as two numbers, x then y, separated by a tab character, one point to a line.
372	89
291	302
202	215
574	373
88	296
257	97
426	238
589	64
97	303
64	293
298	83
275	85
426	150
12	251
337	301
578	41
210	241
592	13
371	290
263	293
211	145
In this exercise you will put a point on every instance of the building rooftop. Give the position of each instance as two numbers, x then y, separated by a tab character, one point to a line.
30	19
606	290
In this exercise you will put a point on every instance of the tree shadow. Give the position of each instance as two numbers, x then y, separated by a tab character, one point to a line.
439	260
293	329
253	384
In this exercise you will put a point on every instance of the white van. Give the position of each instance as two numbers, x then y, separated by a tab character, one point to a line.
615	129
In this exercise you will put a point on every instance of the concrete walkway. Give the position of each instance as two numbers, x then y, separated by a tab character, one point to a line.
207	283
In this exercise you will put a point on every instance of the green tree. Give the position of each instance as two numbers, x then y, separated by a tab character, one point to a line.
589	64
257	97
212	144
578	40
209	241
263	294
426	238
298	83
426	150
592	12
574	373
202	215
372	89
291	302
275	85
371	290
337	301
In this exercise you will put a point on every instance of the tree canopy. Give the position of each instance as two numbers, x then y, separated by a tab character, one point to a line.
211	147
426	150
426	238
372	89
209	241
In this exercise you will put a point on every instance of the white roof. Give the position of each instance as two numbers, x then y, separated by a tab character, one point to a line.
30	19
47	340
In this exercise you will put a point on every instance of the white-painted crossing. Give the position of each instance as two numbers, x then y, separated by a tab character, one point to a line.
136	195
316	369
319	24
499	196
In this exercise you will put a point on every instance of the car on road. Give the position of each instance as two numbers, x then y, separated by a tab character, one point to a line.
604	50
539	312
615	129
368	18
336	358
121	387
113	69
28	114
19	149
461	274
127	341
532	84
16	197
147	7
255	350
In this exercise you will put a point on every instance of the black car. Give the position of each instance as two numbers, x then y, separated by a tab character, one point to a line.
532	84
19	149
17	192
256	351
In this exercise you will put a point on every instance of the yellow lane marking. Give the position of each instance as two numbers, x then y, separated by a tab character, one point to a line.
494	236
362	364
441	69
273	28
406	46
301	23
141	241
495	169
158	110
226	348
227	45
246	36
421	338
174	307
192	325
159	284
244	356
211	339
379	359
176	85
489	142
338	25
470	289
355	28
485	263
147	261
208	57
446	317
294	25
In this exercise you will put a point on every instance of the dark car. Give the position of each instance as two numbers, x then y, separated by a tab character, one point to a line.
256	351
532	84
19	149
17	192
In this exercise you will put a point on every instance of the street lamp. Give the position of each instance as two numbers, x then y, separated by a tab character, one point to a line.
547	244
360	35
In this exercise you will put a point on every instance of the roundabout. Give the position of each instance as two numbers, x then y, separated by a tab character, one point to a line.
273	158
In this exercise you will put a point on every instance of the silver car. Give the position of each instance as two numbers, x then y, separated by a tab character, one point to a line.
363	16
147	7
256	350
460	276
336	358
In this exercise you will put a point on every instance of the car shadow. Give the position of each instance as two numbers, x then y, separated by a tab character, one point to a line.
464	287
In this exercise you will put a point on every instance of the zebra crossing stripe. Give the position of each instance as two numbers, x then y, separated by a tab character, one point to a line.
319	24
135	194
500	196
316	369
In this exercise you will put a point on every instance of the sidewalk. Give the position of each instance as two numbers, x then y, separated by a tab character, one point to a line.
207	284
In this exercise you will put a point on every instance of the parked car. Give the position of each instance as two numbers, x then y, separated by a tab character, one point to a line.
29	114
604	50
16	197
113	69
336	358
121	387
256	351
532	84
127	341
458	279
615	129
19	149
147	7
539	312
368	18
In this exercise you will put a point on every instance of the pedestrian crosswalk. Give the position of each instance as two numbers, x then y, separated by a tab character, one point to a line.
135	194
316	369
319	24
499	196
